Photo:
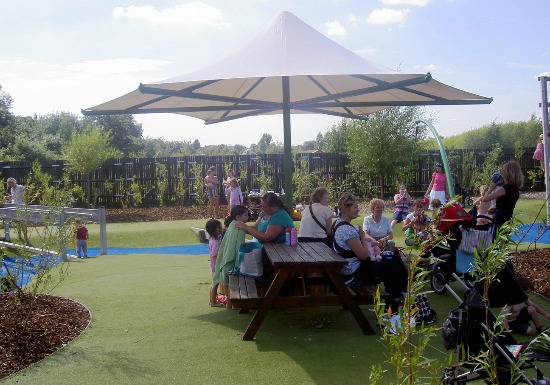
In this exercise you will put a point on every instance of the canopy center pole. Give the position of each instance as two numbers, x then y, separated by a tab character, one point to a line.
288	166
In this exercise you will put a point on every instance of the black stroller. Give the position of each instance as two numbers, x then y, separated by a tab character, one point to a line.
454	254
469	330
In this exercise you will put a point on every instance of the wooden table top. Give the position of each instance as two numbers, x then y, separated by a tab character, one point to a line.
304	253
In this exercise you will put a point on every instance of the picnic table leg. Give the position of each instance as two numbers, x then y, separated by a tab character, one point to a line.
343	290
270	296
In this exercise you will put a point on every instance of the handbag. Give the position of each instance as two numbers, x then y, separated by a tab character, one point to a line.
249	260
328	239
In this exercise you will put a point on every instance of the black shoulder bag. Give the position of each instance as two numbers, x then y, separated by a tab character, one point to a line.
328	239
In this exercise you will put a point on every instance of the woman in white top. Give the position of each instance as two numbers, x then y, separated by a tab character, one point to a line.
378	226
316	222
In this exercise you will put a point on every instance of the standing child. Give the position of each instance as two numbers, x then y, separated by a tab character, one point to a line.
81	233
437	186
236	195
232	240
227	189
214	229
211	183
519	316
539	151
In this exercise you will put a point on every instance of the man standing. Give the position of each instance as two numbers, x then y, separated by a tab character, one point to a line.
17	192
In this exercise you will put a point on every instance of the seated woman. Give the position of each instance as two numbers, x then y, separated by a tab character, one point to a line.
271	225
316	222
348	241
378	227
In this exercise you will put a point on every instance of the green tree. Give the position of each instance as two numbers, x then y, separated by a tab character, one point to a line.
7	120
336	138
124	130
88	151
381	145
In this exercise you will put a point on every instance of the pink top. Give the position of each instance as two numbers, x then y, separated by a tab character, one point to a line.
236	197
213	246
539	152
439	181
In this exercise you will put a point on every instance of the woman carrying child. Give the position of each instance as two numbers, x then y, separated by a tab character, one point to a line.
229	248
211	183
506	196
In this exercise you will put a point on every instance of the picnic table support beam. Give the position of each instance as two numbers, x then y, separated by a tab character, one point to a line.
270	297
343	290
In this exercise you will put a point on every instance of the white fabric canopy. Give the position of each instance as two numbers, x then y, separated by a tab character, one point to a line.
323	76
287	68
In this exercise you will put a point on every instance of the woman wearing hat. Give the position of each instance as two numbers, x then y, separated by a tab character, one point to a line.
436	189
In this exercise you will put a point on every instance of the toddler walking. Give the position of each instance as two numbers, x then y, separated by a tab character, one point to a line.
81	234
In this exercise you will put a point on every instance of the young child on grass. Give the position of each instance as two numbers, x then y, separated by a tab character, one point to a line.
214	229
519	316
81	234
229	248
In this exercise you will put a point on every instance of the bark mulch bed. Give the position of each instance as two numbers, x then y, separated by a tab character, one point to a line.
28	336
34	326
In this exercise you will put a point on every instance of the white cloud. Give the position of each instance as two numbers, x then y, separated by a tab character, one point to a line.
335	29
352	18
383	16
412	3
191	14
427	67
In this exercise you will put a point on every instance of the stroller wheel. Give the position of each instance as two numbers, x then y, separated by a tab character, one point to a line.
437	282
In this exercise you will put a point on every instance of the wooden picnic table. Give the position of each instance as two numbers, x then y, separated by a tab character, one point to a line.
305	258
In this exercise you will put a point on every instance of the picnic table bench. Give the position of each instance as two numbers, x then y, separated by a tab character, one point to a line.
314	264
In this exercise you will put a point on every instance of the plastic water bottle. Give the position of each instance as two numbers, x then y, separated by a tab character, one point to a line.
287	237
293	237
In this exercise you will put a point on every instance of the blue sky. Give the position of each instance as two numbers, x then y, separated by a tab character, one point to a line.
67	55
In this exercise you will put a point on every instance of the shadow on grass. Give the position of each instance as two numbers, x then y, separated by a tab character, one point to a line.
317	339
119	364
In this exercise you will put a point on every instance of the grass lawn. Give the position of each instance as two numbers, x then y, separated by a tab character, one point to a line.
151	325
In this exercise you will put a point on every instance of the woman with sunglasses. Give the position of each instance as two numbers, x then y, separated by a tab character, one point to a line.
349	242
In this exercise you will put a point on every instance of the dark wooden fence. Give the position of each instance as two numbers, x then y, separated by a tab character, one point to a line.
179	179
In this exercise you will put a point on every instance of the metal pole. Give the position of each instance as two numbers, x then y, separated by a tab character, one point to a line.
287	143
411	158
543	78
103	230
450	184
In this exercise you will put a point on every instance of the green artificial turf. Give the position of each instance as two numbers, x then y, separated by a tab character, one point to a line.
151	325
